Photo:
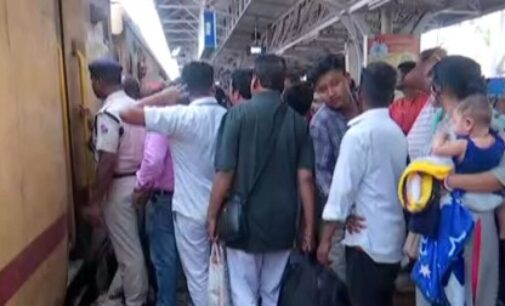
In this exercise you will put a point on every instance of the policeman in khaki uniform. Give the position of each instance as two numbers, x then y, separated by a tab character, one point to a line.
118	150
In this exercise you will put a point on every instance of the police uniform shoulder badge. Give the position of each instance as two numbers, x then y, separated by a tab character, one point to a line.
104	129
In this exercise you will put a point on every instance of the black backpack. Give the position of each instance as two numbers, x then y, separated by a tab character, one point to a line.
305	282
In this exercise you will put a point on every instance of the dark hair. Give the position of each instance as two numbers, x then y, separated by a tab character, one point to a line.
378	82
270	70
299	97
221	97
241	82
460	76
107	70
131	87
292	77
406	67
352	84
111	77
324	65
198	77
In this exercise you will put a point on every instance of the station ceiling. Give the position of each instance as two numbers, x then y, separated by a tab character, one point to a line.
302	30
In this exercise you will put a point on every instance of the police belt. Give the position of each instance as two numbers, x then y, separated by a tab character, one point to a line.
162	192
122	175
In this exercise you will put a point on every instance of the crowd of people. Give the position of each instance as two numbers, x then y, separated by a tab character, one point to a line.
313	165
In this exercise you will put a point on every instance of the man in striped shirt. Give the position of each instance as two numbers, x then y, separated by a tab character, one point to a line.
419	137
327	128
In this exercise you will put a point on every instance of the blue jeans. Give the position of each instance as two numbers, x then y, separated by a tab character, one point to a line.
160	231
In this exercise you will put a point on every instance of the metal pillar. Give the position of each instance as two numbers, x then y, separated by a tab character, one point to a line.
358	29
386	20
354	59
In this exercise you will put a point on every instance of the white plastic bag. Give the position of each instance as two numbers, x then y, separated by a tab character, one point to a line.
219	293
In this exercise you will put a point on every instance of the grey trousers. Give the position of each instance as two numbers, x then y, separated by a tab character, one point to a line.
120	218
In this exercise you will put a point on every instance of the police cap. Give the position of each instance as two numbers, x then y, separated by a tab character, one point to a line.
105	68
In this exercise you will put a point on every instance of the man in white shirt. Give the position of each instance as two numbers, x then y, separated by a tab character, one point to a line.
363	191
192	131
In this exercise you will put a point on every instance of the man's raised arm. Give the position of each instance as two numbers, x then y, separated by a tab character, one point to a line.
418	77
169	96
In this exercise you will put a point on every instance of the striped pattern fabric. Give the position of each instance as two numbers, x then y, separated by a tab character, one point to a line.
421	133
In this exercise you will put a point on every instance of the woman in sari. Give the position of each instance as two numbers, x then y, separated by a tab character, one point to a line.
455	78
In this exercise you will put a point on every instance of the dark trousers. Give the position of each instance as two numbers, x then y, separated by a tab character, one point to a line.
369	283
501	294
162	248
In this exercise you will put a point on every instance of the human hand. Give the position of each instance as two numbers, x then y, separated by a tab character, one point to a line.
438	54
440	138
141	197
171	95
323	252
354	224
212	228
84	111
308	240
427	65
93	214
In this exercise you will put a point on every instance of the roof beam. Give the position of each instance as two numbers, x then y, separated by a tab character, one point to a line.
417	25
193	24
323	25
179	21
188	9
180	39
178	6
242	6
332	3
273	3
190	13
460	12
300	16
179	31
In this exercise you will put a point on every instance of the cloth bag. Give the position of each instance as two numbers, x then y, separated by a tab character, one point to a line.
219	290
439	272
307	283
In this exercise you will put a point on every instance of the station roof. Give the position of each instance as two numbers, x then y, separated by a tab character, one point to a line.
302	30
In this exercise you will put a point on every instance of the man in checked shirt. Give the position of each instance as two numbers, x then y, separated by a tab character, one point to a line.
327	128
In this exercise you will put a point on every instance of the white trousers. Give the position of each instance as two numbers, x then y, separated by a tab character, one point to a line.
120	219
255	276
193	246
